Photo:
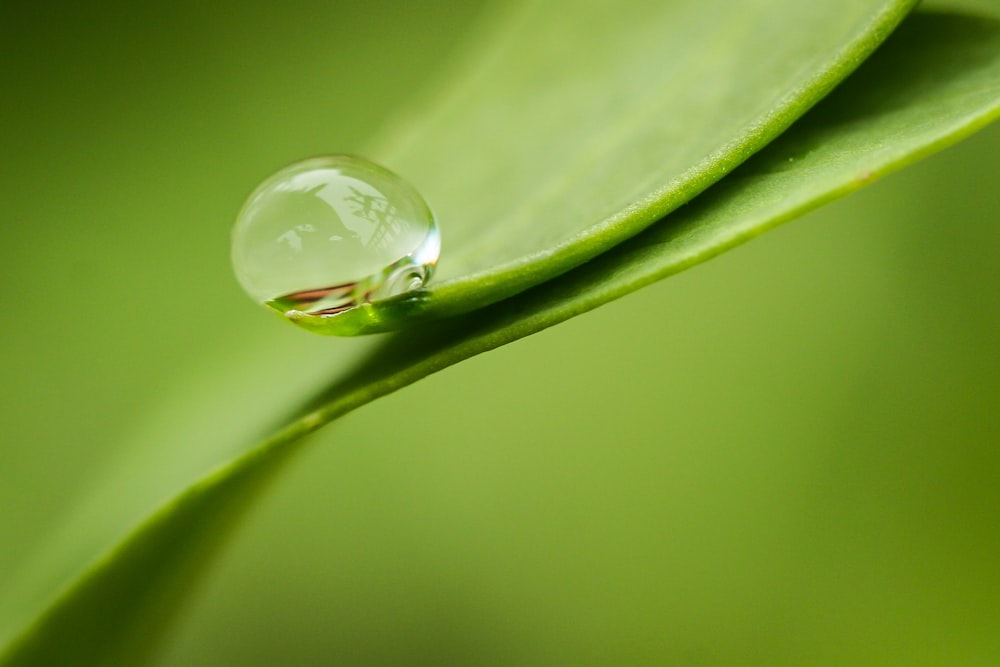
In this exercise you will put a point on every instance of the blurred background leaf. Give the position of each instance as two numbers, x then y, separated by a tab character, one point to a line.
848	492
132	137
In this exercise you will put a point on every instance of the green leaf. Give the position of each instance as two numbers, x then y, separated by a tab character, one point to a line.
935	81
579	128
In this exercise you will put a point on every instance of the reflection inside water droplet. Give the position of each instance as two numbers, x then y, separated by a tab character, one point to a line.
324	235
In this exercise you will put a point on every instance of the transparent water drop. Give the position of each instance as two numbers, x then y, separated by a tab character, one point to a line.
326	234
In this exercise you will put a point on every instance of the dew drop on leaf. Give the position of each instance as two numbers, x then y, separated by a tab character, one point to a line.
326	234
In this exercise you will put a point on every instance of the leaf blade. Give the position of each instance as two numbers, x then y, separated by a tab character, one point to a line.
625	115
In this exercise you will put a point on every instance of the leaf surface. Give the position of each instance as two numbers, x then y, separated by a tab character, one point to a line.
581	124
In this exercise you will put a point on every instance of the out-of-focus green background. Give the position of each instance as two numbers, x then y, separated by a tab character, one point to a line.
787	456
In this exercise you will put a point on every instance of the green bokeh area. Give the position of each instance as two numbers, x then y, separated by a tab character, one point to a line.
787	456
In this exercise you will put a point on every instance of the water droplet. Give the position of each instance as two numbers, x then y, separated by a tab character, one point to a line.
326	234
